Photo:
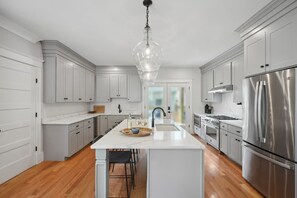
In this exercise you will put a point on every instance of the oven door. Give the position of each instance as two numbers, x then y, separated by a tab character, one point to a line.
197	121
212	135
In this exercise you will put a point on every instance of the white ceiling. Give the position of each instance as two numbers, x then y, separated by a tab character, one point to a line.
191	32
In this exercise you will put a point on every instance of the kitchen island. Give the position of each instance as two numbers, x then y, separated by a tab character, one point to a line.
175	161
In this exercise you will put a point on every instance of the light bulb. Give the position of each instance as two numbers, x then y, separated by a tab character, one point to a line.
148	51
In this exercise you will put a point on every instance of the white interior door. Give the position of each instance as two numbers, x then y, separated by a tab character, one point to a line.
173	97
17	118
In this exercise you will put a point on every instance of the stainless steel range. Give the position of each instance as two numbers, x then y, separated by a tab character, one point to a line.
213	129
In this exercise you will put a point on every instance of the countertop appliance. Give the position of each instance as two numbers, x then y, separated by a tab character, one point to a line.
208	109
269	155
212	129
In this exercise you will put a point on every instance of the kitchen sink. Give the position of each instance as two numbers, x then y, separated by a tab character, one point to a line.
166	127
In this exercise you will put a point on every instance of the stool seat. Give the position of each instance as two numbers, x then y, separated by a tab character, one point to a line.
120	157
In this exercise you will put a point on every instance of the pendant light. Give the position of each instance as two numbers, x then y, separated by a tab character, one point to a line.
147	54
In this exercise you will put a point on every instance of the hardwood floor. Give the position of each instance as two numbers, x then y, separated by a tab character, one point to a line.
75	178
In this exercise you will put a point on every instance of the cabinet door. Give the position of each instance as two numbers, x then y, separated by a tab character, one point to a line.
103	125
235	149
237	77
86	135
60	80
254	54
102	88
72	146
227	74
281	43
69	81
134	88
80	139
203	88
209	85
90	86
112	122
122	85
218	76
90	133
79	84
224	141
114	85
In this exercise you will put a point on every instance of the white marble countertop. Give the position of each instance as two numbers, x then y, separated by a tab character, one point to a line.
70	119
237	123
158	140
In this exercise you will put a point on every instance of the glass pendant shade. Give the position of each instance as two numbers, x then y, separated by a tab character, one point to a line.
148	77
148	54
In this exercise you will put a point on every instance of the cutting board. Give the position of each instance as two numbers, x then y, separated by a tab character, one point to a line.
99	108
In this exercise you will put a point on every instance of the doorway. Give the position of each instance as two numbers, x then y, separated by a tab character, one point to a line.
173	97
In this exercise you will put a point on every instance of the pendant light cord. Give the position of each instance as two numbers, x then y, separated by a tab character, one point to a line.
147	27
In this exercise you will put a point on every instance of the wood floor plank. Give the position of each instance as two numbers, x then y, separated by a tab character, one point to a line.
75	178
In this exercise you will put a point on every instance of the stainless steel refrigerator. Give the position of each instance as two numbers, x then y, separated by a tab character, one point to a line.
269	153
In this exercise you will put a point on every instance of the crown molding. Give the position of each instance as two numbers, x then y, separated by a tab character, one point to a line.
268	14
18	30
227	56
53	47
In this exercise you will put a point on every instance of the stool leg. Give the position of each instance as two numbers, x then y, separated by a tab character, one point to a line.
132	174
127	186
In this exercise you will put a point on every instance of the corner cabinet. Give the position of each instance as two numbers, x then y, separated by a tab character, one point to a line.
272	48
134	88
102	88
118	85
207	84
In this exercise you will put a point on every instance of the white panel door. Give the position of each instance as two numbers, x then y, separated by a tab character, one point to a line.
69	81
60	84
134	88
17	118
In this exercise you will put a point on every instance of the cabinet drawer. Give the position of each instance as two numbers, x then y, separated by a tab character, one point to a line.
88	121
235	130
76	125
224	126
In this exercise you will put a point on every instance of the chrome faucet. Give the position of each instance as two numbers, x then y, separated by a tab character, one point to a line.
153	115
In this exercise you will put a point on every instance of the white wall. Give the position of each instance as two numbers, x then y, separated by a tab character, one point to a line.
227	107
58	109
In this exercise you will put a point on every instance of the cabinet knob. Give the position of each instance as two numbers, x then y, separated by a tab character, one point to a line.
79	99
205	98
221	83
226	134
90	99
262	66
266	65
238	131
65	98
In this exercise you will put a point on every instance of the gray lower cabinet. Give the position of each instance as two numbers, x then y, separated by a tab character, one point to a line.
62	141
230	142
103	128
114	120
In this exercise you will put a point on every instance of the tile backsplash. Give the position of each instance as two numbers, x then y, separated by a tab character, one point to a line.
227	106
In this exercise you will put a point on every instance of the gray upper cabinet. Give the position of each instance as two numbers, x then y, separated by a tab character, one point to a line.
79	84
207	84
237	77
134	88
118	86
64	75
102	88
90	86
222	75
64	80
272	48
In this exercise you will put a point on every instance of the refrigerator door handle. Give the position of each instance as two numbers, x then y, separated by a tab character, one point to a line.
256	109
265	105
271	160
259	112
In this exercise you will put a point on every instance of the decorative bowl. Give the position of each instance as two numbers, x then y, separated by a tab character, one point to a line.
135	130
